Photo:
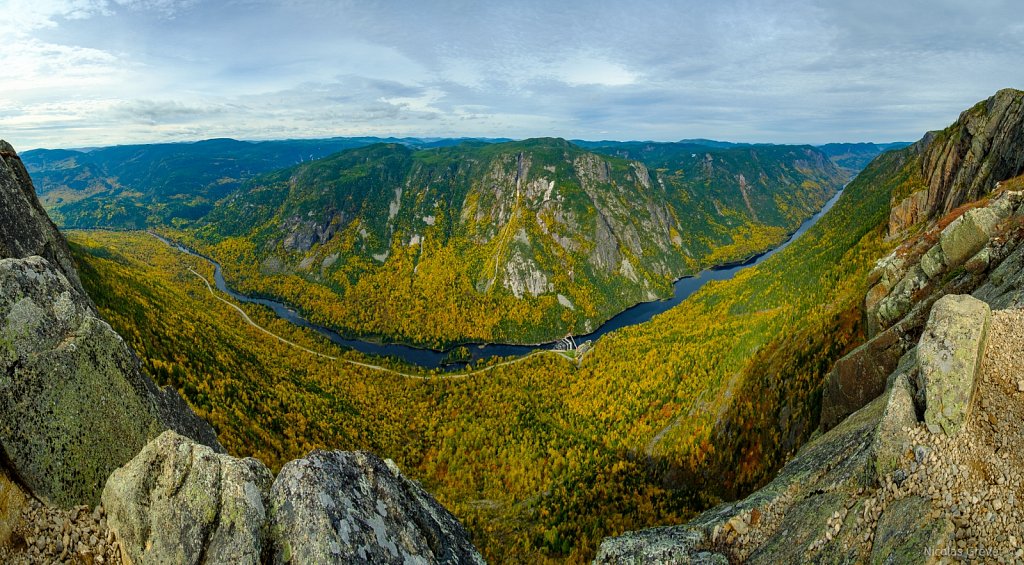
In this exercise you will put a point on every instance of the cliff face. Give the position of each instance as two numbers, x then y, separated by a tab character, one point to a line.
982	148
70	384
915	423
966	160
25	229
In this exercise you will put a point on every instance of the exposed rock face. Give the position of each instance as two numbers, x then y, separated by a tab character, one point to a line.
304	233
950	354
868	490
966	236
179	502
859	377
908	533
908	212
982	148
343	507
69	385
965	161
661	546
25	229
922	269
889	438
523	277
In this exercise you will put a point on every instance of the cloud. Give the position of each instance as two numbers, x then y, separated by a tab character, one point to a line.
772	70
587	71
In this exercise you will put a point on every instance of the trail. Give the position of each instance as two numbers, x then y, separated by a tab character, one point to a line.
367	365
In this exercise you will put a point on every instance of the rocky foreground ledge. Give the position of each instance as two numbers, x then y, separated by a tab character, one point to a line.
885	485
179	502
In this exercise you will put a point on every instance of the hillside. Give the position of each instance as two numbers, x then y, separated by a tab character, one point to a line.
513	242
703	403
139	186
911	457
855	156
100	465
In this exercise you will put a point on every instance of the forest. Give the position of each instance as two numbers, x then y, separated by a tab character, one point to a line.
643	428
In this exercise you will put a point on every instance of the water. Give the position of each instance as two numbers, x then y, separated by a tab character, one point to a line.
431	359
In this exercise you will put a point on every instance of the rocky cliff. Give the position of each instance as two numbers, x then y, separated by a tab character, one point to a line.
917	464
527	240
70	384
913	462
25	229
963	162
81	422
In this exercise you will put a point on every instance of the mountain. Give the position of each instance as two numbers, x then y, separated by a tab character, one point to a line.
138	186
911	461
855	156
542	457
519	241
100	464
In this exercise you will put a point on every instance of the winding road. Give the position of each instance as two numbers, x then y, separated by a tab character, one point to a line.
252	323
428	358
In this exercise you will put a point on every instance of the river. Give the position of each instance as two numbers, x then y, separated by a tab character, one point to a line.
432	359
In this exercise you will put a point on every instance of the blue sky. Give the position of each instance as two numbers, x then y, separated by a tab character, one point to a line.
101	72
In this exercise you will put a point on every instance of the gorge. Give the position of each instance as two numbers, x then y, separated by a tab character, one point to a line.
815	360
434	359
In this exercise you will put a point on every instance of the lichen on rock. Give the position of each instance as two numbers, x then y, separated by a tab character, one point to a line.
179	502
353	507
950	354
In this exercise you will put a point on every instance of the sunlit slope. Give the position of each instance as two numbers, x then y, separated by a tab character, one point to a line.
515	242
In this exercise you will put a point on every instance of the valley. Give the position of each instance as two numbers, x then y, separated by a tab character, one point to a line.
658	421
522	452
433	359
517	282
513	242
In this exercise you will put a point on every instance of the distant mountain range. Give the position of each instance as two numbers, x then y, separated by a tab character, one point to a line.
134	186
855	156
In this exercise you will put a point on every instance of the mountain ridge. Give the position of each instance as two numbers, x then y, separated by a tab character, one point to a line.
864	489
576	236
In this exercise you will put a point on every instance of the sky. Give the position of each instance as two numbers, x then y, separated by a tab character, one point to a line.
78	73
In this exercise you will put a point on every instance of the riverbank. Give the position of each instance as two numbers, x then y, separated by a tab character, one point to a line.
432	359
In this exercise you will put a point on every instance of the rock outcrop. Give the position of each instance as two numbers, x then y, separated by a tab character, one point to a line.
949	356
74	402
69	387
25	229
860	377
965	161
343	507
866	491
179	502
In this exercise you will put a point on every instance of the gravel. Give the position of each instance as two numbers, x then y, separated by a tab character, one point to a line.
974	478
51	535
